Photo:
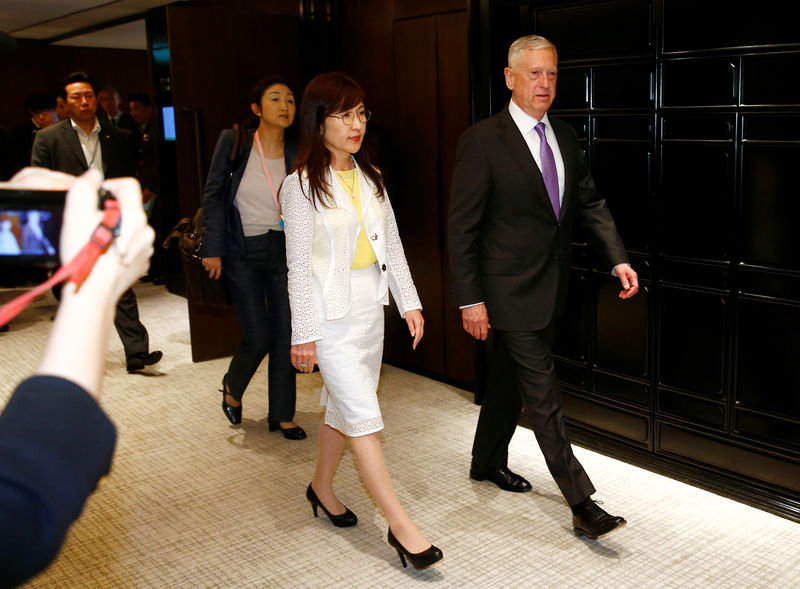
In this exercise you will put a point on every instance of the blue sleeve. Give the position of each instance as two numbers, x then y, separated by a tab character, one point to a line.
215	201
55	445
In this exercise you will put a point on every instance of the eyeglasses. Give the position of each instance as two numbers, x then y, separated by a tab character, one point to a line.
348	117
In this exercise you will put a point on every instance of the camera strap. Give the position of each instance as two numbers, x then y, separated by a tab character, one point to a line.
78	268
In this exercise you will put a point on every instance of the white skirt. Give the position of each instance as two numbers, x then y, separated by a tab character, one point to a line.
349	357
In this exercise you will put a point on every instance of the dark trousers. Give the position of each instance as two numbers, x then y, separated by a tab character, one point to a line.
522	371
133	334
258	286
131	331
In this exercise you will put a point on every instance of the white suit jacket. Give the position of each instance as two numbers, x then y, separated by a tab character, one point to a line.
321	246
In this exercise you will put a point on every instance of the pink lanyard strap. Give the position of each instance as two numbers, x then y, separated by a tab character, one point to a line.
266	171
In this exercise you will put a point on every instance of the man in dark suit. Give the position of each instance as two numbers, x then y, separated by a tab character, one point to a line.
75	145
41	111
147	137
109	100
520	183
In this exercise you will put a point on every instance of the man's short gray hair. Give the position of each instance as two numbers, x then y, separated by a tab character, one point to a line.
529	43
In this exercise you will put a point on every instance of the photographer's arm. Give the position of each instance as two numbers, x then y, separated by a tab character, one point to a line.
55	441
89	312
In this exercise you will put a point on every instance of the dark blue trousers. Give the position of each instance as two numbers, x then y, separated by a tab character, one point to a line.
258	287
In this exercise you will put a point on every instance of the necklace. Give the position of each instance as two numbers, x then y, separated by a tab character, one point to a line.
348	186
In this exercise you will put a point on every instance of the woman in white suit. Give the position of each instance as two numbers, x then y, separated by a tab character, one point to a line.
344	254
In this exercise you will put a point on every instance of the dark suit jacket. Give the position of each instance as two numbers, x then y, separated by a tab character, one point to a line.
506	246
23	142
57	147
124	122
146	143
55	445
222	226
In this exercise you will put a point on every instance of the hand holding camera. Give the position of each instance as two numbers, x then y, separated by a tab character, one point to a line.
77	341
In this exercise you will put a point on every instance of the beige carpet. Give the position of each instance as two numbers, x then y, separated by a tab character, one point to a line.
196	502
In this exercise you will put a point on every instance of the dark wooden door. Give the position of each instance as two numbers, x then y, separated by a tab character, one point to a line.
431	111
216	55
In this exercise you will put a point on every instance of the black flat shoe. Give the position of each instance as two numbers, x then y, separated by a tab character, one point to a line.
343	520
138	362
420	560
290	433
502	477
234	414
591	520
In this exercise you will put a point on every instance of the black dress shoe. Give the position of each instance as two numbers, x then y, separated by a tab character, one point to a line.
419	560
138	362
502	477
290	433
343	520
232	412
591	520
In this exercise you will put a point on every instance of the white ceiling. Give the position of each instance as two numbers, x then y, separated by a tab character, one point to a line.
48	19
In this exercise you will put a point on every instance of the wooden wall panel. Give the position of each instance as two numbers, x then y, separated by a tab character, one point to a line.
453	106
368	55
38	67
416	8
417	197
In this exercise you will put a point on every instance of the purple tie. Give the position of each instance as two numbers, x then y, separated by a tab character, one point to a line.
549	171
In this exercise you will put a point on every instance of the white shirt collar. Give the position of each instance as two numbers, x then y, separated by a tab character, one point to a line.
95	130
525	122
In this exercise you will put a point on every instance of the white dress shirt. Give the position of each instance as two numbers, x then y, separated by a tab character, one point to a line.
90	144
526	125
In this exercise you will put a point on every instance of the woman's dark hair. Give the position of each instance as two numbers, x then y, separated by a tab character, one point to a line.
325	95
263	84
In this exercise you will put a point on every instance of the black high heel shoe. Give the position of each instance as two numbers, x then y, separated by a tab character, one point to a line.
420	560
234	414
290	433
343	520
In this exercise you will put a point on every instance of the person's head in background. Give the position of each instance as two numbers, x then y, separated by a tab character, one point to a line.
61	110
109	100
41	108
141	108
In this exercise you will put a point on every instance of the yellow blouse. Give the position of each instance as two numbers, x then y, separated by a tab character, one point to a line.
365	255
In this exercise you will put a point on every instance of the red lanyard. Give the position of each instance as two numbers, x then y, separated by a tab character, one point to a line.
266	171
78	268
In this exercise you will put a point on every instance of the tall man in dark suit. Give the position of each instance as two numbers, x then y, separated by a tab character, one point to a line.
73	146
520	183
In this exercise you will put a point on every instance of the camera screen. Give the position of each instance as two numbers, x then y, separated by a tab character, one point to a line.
30	226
